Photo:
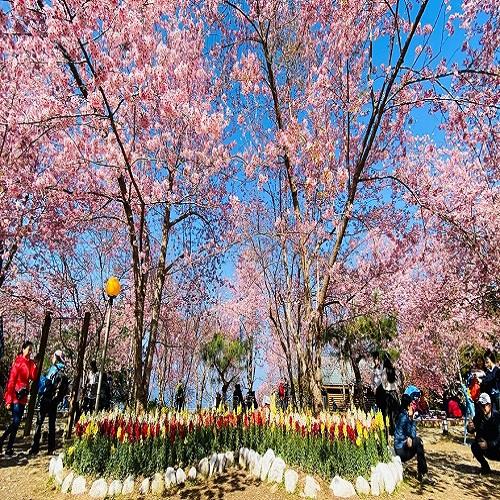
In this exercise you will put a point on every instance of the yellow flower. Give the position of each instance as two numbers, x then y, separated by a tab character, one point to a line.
358	441
71	450
119	433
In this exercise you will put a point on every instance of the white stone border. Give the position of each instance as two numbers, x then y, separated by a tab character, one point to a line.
385	477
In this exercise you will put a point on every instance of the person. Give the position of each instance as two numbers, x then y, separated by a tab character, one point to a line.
282	395
179	396
486	426
238	398
377	386
391	393
90	390
218	400
406	442
474	387
52	389
454	410
491	381
23	371
251	401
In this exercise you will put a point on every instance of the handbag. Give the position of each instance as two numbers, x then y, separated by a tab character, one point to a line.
22	393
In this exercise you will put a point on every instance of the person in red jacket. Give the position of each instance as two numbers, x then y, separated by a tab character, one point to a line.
16	395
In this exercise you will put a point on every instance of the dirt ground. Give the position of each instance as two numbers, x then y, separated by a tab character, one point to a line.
450	462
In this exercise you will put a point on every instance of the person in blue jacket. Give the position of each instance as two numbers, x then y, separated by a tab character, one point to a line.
406	442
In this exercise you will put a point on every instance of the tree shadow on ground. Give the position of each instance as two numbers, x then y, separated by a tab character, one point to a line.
218	487
447	468
22	445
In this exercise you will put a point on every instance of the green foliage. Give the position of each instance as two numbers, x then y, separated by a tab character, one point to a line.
225	356
375	329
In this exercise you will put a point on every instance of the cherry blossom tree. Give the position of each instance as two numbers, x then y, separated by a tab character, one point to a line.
131	92
328	96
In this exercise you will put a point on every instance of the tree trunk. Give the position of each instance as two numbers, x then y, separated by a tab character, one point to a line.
161	273
79	373
34	385
225	387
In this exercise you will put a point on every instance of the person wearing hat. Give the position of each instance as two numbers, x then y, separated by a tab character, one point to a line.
52	389
406	442
486	425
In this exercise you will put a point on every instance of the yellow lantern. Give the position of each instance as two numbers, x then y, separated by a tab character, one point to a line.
113	287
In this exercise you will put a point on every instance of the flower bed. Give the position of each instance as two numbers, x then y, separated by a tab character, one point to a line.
117	444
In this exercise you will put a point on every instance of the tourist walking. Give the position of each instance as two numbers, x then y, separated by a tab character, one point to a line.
406	442
23	371
486	426
52	389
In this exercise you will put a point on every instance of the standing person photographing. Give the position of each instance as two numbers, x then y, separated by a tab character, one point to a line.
23	371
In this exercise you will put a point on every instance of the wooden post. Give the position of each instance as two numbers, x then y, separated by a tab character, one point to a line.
82	344
34	385
105	350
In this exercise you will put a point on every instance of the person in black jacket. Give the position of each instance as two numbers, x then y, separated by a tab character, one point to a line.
486	425
238	398
491	381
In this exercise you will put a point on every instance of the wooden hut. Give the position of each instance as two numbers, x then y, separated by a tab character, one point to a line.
338	383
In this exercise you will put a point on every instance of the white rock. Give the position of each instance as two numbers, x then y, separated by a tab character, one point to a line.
59	477
128	485
229	459
375	481
267	461
204	467
157	484
170	479
144	487
213	464
52	463
192	473
393	468
291	480
311	487
115	488
58	466
398	467
342	488
221	462
387	477
180	476
256	466
250	459
242	456
79	486
99	488
276	471
68	480
362	486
